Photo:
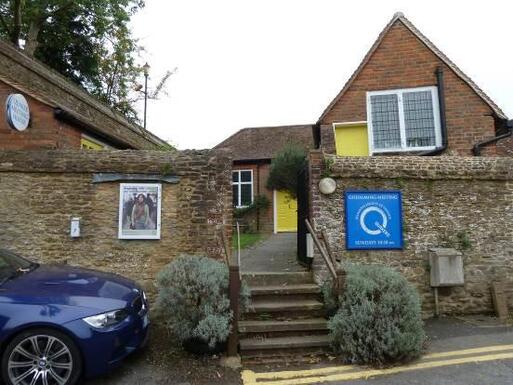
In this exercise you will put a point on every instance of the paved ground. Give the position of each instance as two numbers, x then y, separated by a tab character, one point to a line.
470	351
275	253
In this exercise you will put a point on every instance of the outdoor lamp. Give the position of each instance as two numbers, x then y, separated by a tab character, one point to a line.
327	186
146	69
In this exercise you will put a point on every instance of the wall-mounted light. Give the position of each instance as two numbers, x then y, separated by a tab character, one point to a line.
327	186
75	227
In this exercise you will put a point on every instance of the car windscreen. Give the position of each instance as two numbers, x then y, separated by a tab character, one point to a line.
10	262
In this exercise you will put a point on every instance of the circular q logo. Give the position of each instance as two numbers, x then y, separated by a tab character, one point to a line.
373	218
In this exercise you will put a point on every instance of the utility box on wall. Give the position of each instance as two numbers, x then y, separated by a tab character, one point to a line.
446	267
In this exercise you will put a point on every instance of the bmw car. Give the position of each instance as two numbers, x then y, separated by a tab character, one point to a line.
59	323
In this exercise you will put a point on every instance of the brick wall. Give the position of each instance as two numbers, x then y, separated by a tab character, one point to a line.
442	199
505	147
403	61
263	221
42	190
44	131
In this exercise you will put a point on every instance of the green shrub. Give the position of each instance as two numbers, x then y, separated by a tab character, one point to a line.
285	168
260	202
193	299
379	319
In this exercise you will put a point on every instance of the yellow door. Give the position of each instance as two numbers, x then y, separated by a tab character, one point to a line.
286	212
352	140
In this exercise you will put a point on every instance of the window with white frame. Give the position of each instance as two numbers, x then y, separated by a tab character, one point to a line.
403	120
242	185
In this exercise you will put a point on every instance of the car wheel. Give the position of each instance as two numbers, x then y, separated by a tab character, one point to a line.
41	357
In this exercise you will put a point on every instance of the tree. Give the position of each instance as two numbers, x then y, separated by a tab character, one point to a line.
285	168
88	41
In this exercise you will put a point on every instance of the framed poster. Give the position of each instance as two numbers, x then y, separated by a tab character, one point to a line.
139	210
373	220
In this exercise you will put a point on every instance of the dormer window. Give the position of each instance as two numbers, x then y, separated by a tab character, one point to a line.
403	120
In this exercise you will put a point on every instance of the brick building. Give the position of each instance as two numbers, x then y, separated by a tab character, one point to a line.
62	115
252	150
405	98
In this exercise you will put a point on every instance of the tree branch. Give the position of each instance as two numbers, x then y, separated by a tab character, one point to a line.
16	31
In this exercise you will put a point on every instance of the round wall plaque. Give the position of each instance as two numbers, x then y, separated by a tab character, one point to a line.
17	112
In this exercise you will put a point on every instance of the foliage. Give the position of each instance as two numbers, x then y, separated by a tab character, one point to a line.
327	170
260	202
246	240
459	240
464	240
193	299
330	298
285	168
379	320
88	41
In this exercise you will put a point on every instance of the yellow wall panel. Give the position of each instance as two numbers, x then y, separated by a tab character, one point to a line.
352	140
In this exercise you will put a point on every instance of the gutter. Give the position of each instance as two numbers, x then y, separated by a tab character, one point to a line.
508	124
439	72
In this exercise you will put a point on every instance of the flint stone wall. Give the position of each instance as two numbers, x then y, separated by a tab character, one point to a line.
464	203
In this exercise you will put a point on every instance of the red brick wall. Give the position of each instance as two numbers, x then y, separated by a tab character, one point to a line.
403	61
44	131
260	176
505	147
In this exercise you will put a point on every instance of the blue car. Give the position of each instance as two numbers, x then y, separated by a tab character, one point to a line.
59	324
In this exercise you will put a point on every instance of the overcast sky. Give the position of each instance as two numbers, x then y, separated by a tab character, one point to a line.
273	62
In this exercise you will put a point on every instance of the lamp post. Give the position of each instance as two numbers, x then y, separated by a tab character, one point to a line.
146	69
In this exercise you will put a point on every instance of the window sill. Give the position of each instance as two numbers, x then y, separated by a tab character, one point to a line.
412	150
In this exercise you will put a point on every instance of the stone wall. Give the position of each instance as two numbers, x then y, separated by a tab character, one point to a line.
42	190
457	202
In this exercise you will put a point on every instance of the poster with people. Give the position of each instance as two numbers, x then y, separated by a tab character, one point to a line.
139	210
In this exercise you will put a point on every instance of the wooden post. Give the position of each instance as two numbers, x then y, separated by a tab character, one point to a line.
234	289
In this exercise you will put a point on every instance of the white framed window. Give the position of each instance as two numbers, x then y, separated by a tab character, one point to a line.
242	186
403	120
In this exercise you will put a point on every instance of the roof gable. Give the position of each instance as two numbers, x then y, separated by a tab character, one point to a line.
48	86
400	18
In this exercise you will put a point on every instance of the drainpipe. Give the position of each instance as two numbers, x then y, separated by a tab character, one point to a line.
439	72
476	150
258	194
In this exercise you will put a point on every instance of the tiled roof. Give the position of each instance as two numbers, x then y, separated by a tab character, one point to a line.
262	143
43	83
399	17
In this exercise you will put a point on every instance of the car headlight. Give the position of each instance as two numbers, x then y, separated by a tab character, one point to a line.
104	320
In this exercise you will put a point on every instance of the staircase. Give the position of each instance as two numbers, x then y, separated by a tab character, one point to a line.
286	317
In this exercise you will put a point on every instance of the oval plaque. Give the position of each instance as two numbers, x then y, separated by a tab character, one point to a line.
17	112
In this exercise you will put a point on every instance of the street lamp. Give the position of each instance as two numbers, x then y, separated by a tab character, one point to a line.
146	69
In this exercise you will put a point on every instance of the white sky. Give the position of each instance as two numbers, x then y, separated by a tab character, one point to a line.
272	62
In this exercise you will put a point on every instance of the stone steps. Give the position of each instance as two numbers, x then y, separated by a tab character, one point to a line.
285	318
279	328
286	289
283	346
274	278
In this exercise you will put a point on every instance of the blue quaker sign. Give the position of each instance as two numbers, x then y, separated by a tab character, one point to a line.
373	220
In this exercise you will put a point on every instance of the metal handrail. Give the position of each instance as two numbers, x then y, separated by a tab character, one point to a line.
321	249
